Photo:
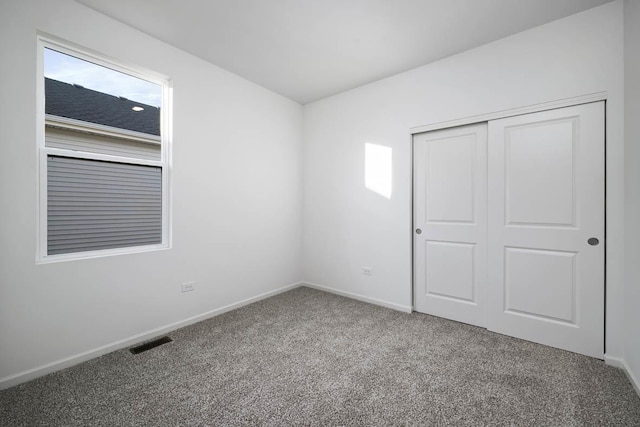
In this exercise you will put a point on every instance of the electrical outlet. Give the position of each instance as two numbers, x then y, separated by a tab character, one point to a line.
367	271
188	287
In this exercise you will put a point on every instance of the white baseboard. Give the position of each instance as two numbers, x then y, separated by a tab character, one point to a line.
619	362
31	374
394	306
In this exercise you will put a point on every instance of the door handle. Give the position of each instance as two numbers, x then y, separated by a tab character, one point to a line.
418	231
593	241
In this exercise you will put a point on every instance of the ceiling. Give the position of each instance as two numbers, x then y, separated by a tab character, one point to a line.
310	49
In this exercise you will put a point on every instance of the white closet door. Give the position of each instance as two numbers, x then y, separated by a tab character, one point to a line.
546	228
450	223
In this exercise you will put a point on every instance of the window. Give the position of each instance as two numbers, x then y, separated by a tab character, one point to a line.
104	157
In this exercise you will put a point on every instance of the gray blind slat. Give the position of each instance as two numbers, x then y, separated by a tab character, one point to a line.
108	245
108	234
103	178
89	201
69	227
102	171
72	239
86	228
65	219
94	205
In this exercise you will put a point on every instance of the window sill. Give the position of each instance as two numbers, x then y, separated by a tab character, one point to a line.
76	256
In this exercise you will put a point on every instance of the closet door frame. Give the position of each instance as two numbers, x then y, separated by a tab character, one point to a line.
485	118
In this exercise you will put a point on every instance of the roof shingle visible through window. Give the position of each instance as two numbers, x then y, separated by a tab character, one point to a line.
76	102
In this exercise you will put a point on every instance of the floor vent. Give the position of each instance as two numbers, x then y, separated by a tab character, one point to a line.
150	345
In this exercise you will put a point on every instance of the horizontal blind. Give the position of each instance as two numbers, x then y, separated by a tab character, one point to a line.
78	141
94	205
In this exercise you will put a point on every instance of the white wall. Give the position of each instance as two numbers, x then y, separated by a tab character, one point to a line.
347	227
236	200
236	180
632	186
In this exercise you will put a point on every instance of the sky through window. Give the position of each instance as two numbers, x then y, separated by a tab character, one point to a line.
69	69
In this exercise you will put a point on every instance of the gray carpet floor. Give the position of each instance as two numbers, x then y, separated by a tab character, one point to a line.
306	357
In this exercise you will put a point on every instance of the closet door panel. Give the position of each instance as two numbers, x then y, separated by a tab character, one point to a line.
546	228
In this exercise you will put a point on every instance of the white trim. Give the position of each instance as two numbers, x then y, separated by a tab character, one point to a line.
166	150
502	114
620	363
42	120
387	304
41	158
99	58
41	244
566	102
31	374
76	256
62	152
616	362
96	129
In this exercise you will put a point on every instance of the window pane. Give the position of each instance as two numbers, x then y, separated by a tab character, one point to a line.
81	90
93	205
82	141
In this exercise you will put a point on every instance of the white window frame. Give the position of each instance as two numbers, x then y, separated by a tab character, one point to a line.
47	41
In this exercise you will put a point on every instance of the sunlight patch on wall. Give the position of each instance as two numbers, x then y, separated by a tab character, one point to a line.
378	169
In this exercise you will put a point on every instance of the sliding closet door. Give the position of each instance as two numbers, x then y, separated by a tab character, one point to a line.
450	223
546	228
